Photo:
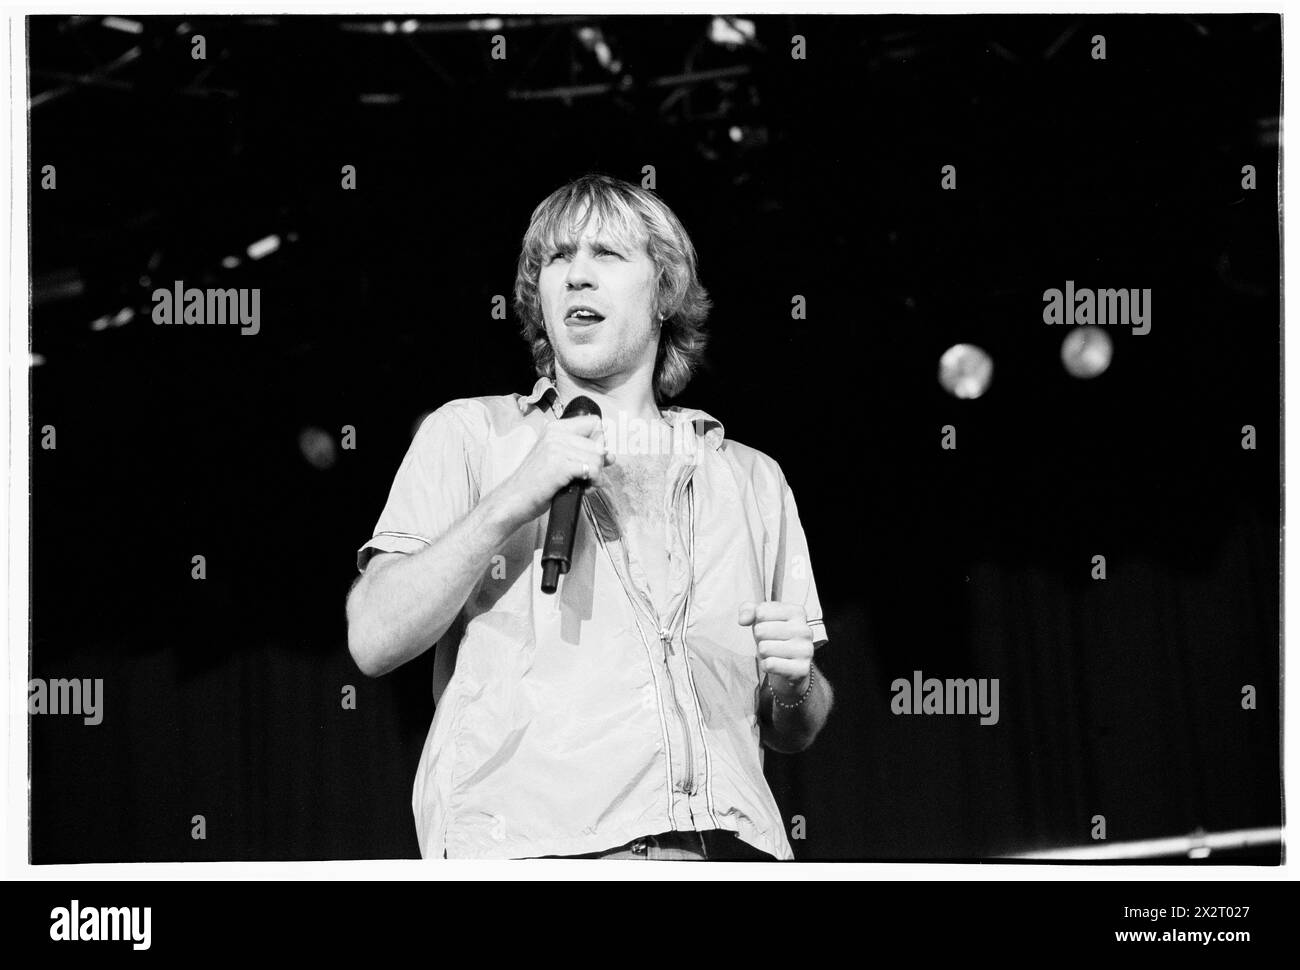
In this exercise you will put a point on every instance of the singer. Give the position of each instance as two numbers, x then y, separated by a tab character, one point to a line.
625	714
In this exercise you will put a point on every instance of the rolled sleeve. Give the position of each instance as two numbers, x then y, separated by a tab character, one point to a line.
793	580
436	485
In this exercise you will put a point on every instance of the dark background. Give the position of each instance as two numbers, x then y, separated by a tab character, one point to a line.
222	697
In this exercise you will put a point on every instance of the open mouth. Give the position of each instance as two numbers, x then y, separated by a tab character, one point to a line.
580	315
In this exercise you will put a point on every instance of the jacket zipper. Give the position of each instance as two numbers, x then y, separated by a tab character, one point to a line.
666	639
665	635
685	611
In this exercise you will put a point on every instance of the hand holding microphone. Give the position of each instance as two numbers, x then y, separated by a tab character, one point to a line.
569	456
557	552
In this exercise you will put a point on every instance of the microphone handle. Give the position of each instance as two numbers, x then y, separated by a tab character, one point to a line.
557	552
563	523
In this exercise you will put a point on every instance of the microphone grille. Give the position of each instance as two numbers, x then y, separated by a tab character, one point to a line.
580	406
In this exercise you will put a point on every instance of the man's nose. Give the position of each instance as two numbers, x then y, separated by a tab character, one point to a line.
579	275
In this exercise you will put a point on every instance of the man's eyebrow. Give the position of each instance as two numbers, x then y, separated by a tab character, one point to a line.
558	243
607	241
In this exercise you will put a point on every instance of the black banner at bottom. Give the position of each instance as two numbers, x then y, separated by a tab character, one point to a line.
335	920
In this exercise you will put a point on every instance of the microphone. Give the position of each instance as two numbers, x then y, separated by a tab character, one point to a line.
557	551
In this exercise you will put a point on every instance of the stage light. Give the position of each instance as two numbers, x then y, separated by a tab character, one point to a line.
594	41
735	133
37	359
409	26
61	284
264	247
492	23
229	262
318	447
965	371
731	31
1086	352
122	24
123	316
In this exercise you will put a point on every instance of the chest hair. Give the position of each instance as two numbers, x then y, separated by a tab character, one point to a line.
640	485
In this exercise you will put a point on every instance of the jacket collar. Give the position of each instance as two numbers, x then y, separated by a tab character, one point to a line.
545	396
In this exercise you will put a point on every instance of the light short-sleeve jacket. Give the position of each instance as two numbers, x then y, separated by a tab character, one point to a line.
578	721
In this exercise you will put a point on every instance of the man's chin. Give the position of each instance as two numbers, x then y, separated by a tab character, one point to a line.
587	368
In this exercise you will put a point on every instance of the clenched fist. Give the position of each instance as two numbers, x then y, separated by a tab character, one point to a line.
785	645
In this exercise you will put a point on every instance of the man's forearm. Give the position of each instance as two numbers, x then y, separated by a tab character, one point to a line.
790	730
399	608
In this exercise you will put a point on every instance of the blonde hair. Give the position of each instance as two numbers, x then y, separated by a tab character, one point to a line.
634	215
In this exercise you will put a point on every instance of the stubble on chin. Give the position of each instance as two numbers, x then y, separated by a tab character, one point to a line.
578	361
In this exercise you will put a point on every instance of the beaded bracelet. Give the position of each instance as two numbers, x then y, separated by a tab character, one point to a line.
803	697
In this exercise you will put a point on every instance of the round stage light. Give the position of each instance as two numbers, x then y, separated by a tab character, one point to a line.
1086	352
318	448
965	371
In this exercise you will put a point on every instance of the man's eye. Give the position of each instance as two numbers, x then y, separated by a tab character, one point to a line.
554	256
602	251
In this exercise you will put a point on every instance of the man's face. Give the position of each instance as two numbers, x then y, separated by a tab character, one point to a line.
598	304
